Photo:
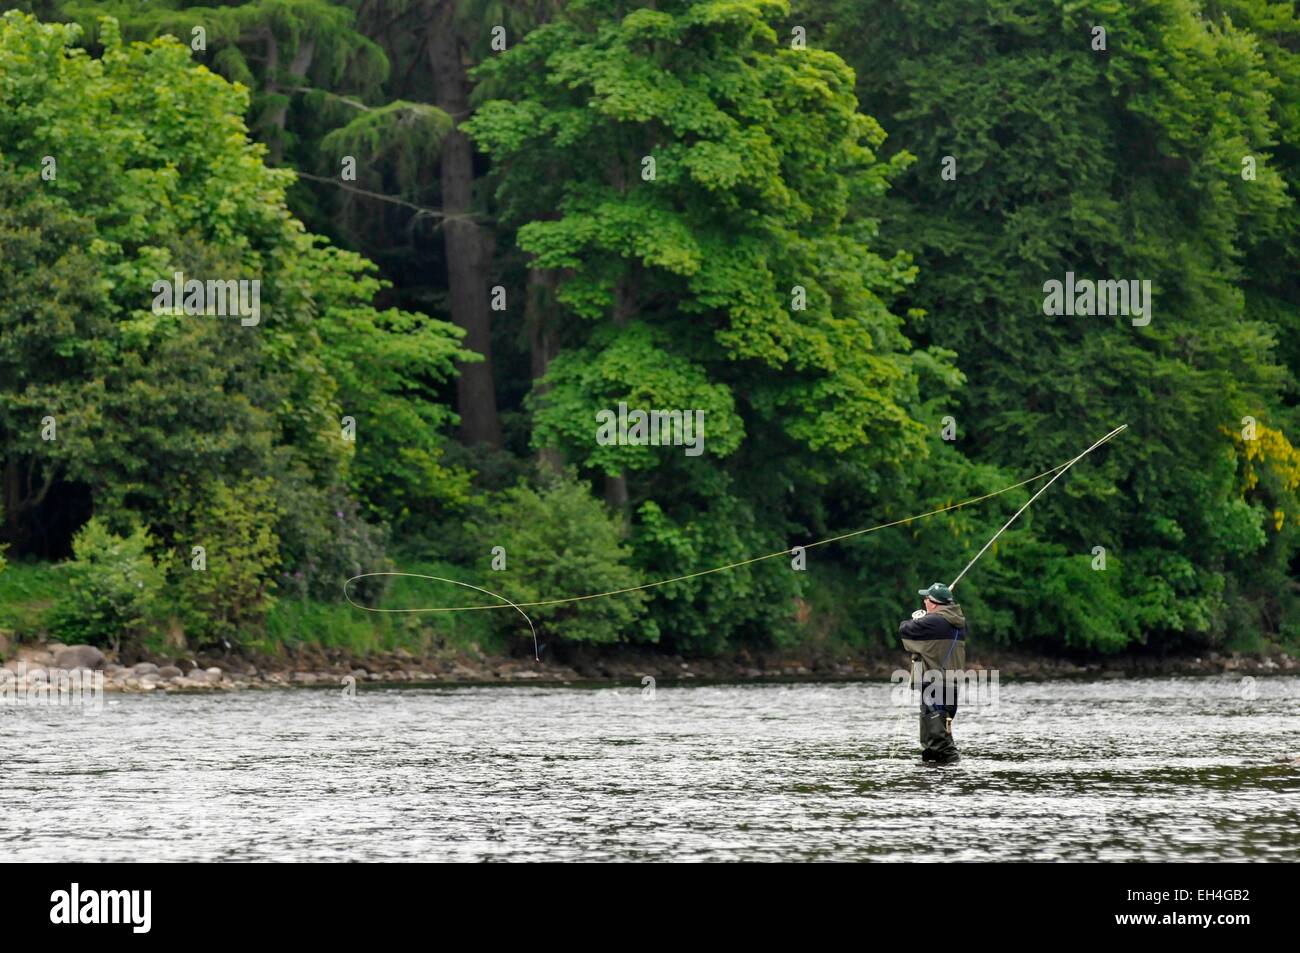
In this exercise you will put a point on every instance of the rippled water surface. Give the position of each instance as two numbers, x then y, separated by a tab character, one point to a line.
1150	769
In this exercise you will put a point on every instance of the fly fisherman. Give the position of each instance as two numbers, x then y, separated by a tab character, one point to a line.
936	637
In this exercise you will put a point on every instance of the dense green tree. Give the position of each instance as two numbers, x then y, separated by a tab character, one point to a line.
1115	163
1271	253
702	252
324	94
150	173
53	325
279	49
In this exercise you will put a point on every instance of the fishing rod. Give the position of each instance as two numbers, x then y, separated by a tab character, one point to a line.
1041	490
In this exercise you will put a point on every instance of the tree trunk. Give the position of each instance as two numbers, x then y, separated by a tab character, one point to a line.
543	345
10	529
298	68
21	496
467	249
616	494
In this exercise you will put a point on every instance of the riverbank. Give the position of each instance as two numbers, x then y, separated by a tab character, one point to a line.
316	667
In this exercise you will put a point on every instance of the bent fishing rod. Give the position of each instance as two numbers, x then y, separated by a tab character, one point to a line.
1041	490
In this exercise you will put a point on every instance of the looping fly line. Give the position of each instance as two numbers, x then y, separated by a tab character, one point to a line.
1054	473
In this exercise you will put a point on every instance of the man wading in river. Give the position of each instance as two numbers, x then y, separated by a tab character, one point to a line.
936	637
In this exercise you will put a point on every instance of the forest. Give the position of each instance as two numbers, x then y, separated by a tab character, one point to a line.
889	254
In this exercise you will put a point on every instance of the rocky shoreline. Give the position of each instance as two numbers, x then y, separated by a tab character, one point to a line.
324	668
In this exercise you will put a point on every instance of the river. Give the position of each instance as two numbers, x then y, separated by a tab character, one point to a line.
1131	770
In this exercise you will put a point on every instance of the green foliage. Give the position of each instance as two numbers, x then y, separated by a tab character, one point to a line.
293	623
740	278
1118	164
112	588
759	155
750	604
400	137
273	47
385	366
677	290
28	590
326	542
156	175
559	541
635	366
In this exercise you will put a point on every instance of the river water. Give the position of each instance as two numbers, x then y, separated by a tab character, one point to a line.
1149	769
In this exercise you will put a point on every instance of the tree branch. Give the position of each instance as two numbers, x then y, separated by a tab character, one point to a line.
342	99
423	210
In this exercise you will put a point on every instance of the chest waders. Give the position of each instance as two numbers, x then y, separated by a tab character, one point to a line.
937	744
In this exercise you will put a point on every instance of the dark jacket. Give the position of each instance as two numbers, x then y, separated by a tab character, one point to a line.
938	637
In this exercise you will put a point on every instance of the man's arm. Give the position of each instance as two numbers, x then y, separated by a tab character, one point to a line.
929	626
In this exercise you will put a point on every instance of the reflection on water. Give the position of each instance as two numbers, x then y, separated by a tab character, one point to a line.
1151	769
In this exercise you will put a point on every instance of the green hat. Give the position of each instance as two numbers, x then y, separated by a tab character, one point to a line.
938	592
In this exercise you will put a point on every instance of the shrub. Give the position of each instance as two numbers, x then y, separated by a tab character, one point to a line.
559	542
113	588
233	591
324	542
